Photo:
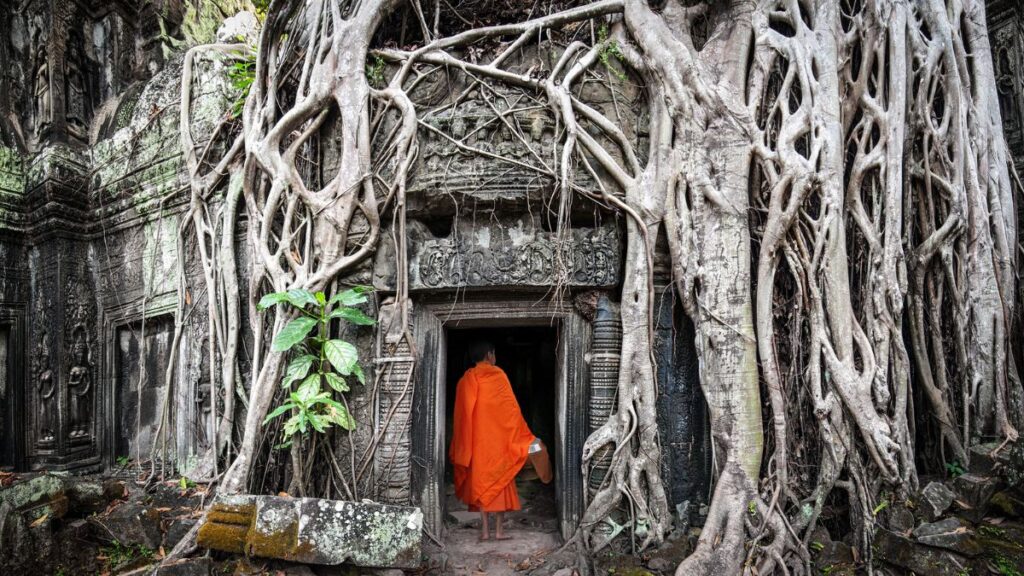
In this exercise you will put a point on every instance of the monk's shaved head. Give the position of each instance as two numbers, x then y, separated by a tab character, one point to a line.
479	350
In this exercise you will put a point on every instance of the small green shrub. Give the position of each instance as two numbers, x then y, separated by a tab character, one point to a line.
317	359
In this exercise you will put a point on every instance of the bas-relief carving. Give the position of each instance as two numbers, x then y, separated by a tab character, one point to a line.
392	463
75	111
604	357
447	166
43	101
45	403
516	255
79	326
80	387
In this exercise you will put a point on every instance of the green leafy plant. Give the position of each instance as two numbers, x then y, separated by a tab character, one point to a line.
185	484
881	506
375	71
955	468
119	555
123	461
1005	567
261	7
241	73
609	51
317	359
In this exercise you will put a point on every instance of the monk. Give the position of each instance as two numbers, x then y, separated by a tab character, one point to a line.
490	440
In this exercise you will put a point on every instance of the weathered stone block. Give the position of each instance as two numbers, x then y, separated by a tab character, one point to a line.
974	493
920	559
936	498
315	531
130	524
951	533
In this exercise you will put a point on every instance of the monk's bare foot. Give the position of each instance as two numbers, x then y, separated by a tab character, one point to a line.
503	537
485	538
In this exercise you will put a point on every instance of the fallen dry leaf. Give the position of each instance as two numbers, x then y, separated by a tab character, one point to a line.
39	520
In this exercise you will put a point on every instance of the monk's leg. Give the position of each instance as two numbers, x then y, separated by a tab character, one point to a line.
499	529
484	535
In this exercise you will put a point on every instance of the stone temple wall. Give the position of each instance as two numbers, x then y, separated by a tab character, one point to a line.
91	193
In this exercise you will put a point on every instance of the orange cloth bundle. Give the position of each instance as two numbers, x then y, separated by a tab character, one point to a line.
541	462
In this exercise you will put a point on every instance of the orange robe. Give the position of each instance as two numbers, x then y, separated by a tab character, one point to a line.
490	440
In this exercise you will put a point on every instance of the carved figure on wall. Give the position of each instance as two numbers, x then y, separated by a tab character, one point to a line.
74	79
42	91
80	385
45	391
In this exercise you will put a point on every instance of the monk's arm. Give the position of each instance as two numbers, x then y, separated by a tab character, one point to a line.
462	428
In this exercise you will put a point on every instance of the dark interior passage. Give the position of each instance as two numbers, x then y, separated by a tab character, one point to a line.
528	355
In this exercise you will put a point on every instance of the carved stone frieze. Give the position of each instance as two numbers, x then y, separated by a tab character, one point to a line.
511	253
468	149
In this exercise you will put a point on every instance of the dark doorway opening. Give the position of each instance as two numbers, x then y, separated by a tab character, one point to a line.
529	356
7	409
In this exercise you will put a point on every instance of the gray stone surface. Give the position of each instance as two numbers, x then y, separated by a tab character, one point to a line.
951	534
130	524
936	498
908	555
316	531
974	493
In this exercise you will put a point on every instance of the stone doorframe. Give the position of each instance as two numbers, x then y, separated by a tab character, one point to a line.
432	317
13	420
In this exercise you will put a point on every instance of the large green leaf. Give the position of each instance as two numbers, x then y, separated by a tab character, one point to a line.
291	426
354	316
309	388
316	422
293	333
336	382
297	369
352	296
278	411
342	355
340	416
300	297
271	299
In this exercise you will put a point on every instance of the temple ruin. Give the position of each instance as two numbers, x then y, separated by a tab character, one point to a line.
105	350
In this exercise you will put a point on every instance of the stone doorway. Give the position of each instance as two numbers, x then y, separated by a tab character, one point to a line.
12	390
529	356
521	328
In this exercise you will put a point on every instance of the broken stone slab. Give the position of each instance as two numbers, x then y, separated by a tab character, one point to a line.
901	520
951	534
130	524
61	492
920	559
936	498
974	493
315	531
1009	503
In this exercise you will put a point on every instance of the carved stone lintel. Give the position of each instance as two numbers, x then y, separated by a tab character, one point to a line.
515	253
